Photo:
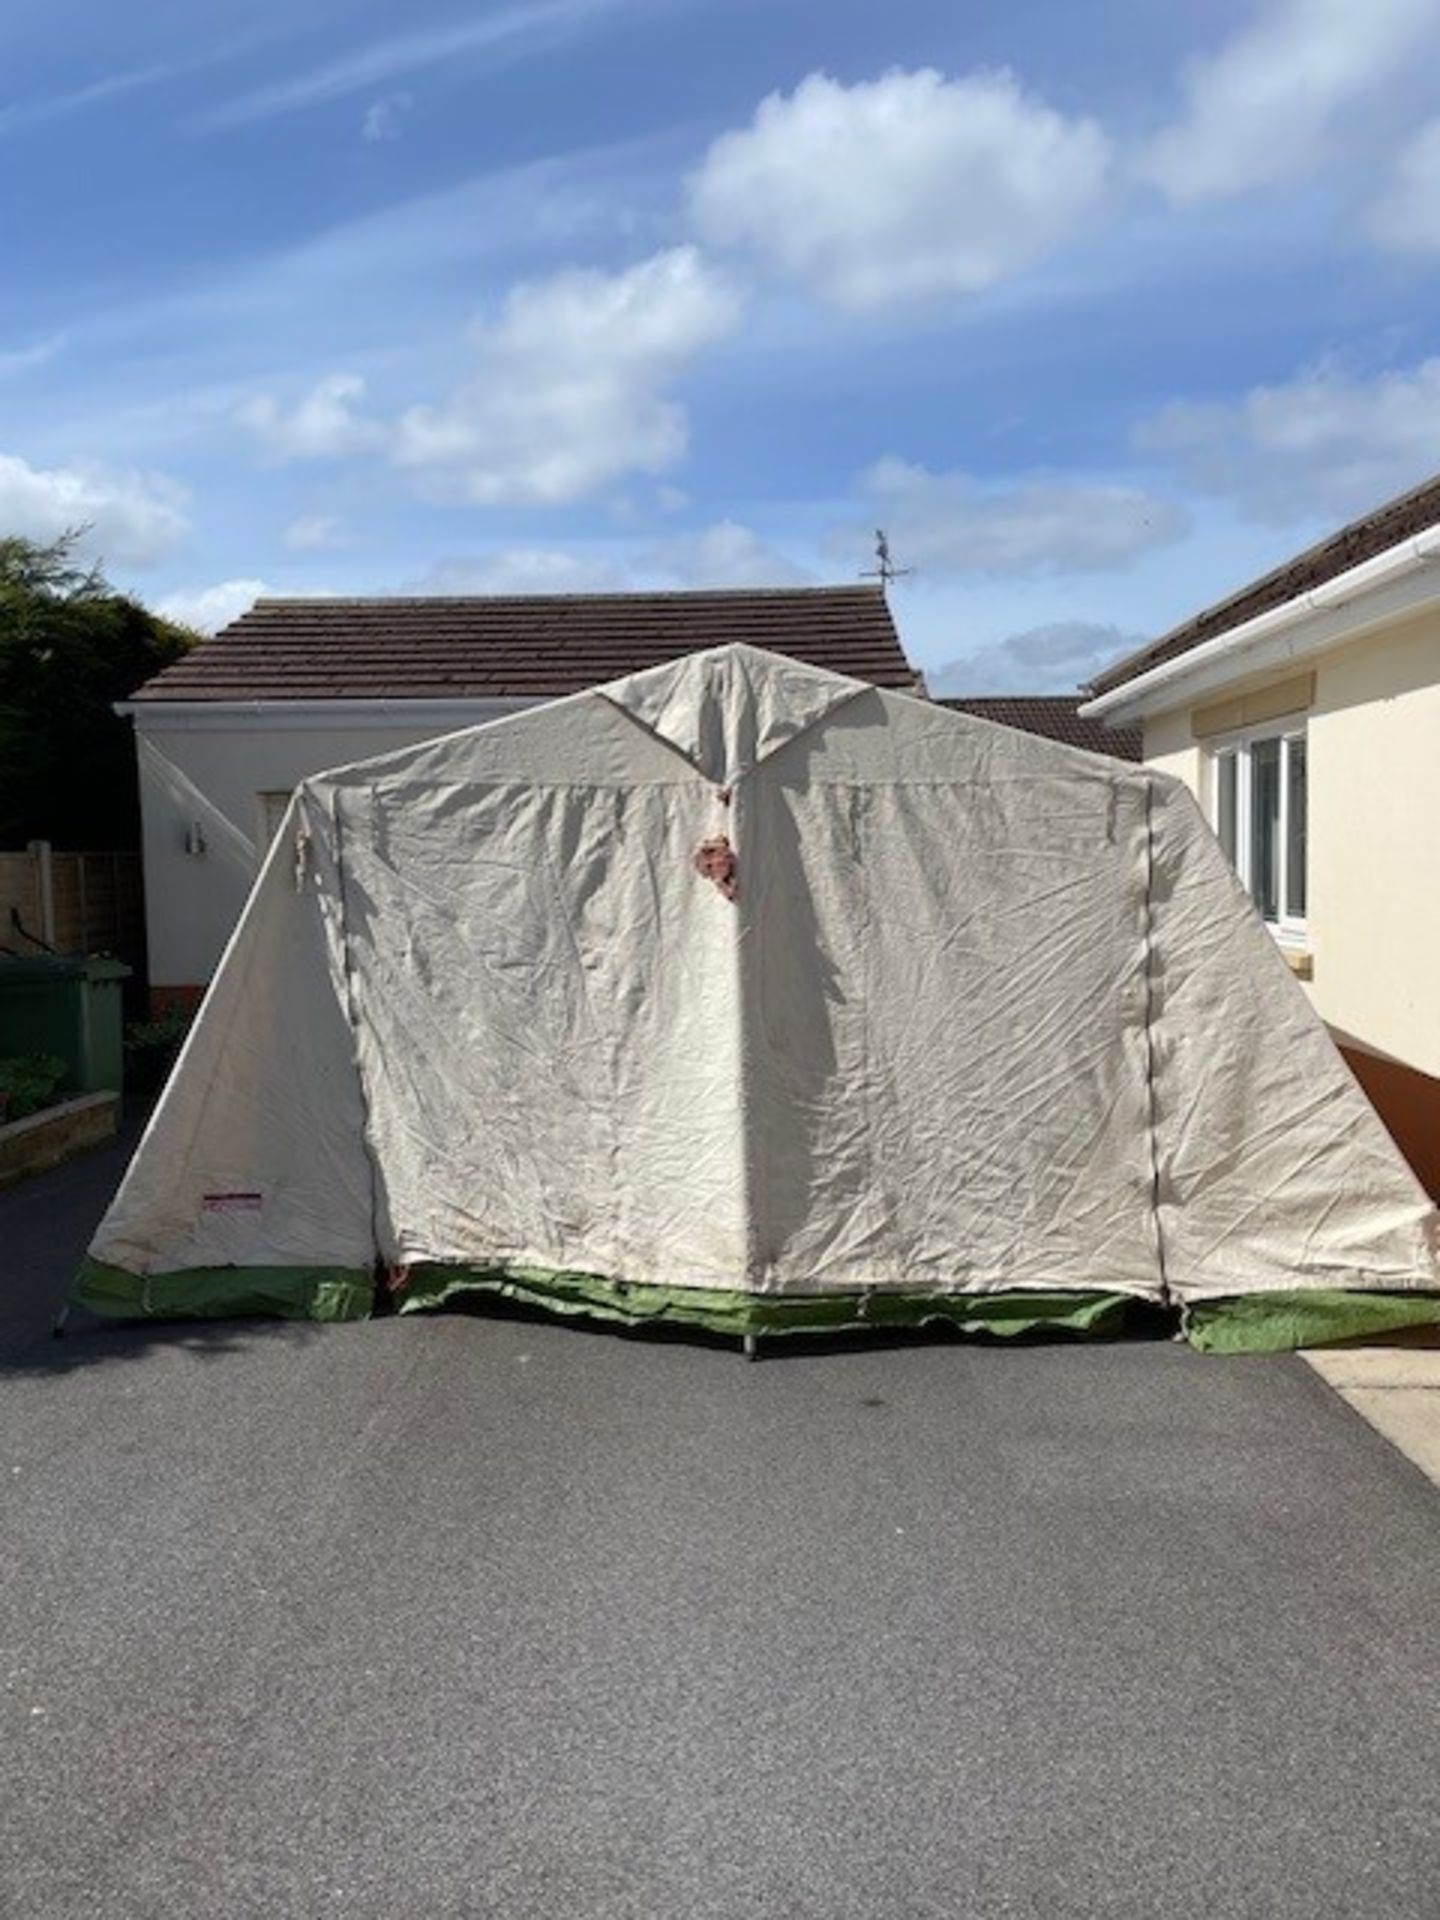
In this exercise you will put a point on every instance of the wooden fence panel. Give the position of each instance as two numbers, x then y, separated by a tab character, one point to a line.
19	898
96	904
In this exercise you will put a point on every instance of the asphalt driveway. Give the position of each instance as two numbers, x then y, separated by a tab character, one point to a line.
465	1616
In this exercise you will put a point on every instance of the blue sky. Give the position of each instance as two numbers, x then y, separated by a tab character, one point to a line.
1098	310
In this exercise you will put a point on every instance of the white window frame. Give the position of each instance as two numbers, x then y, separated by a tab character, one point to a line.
1288	928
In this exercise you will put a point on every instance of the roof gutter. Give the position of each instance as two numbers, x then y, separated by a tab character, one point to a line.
1391	584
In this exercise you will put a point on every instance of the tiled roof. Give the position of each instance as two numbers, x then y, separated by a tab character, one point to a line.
1054	715
534	646
1361	540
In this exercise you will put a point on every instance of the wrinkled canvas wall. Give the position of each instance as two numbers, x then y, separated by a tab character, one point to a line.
1275	1170
987	1014
256	1155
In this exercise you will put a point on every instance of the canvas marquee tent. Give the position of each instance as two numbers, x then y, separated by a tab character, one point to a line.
742	994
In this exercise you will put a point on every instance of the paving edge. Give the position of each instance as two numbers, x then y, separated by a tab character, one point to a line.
1395	1390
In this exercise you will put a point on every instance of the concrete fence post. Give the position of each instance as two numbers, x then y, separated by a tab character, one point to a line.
41	852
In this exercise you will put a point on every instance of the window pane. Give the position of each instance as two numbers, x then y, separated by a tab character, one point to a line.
1227	769
1295	828
1265	827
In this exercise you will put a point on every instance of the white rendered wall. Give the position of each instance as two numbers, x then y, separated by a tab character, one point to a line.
210	774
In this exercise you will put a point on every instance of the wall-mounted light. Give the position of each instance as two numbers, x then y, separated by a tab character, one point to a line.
195	841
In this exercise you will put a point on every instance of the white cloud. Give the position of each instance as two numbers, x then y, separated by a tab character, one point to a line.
1327	443
570	390
132	518
383	117
907	187
1406	216
315	531
958	525
323	425
1263	107
723	555
207	609
1056	658
523	570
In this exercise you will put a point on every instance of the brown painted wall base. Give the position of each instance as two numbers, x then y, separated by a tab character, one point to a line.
167	1000
1407	1100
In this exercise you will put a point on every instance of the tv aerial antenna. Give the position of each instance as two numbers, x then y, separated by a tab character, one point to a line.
885	569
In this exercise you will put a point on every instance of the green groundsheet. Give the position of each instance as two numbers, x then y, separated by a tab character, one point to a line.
218	1293
740	1313
1246	1323
1276	1322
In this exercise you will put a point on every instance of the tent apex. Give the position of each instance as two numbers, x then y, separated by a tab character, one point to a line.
728	708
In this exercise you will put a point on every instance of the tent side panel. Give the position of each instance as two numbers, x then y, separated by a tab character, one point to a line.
943	981
255	1156
546	990
1274	1171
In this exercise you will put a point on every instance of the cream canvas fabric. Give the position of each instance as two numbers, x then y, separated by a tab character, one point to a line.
985	1014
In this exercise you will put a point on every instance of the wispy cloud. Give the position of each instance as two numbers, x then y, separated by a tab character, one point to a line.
1320	446
1052	658
18	360
16	114
280	316
513	33
383	117
316	532
1030	524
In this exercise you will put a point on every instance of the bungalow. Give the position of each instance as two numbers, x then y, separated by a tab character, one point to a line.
296	686
1304	714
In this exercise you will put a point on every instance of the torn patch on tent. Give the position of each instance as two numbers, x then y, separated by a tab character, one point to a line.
715	860
989	1017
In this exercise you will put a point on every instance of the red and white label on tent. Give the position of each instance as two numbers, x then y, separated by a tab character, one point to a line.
231	1202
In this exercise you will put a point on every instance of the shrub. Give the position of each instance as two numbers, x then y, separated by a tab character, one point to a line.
151	1049
28	1082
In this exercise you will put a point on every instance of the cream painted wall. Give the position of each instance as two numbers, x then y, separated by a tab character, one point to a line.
1170	746
213	775
1374	829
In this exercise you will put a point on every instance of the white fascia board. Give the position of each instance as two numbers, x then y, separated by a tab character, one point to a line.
1402	580
222	716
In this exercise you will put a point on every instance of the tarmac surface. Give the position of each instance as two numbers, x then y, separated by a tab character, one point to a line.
464	1616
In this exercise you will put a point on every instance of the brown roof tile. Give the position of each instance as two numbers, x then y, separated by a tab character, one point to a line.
537	646
1361	540
1055	716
